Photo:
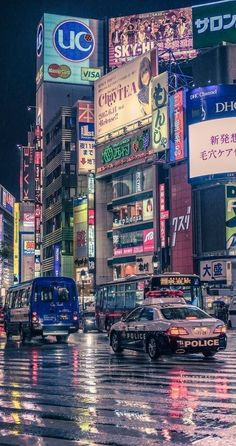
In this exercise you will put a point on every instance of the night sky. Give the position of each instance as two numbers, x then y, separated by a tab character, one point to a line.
18	23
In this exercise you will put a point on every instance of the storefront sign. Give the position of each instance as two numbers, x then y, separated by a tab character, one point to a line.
146	246
214	23
125	151
144	265
213	270
16	241
38	200
178	133
160	130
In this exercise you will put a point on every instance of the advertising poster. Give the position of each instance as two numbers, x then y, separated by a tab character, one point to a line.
85	135
211	131
123	97
80	228
27	174
181	221
160	125
214	23
67	48
131	36
148	209
7	200
27	257
178	130
230	214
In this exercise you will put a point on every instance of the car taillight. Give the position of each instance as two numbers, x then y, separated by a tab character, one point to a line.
75	316
35	317
177	331
220	329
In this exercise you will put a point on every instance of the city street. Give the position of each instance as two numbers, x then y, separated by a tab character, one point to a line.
80	393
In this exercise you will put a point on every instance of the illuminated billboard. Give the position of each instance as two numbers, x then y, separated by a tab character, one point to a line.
123	96
160	127
80	227
6	200
16	242
178	131
169	31
211	130
214	23
27	249
67	48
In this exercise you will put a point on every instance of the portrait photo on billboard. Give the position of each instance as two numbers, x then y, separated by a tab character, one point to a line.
230	211
123	96
131	36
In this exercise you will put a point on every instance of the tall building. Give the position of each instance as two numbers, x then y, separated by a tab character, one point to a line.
6	239
59	190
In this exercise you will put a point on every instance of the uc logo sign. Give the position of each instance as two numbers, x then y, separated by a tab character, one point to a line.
39	40
73	40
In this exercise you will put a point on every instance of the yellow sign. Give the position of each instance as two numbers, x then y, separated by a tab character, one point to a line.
90	74
16	239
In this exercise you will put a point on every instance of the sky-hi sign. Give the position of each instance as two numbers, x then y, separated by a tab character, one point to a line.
214	23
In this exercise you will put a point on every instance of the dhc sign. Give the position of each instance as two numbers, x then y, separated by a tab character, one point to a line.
73	40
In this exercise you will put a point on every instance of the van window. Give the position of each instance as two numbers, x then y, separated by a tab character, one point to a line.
63	294
46	294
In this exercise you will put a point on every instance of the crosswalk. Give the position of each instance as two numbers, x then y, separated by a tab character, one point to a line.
83	394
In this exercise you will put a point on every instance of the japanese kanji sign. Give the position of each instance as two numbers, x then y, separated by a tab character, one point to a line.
214	23
213	270
159	112
212	133
85	136
230	216
178	133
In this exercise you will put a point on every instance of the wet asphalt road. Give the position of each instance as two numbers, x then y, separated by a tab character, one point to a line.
80	393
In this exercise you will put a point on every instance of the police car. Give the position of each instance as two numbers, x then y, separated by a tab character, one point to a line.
167	325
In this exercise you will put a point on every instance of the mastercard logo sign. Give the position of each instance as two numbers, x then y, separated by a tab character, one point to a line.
62	71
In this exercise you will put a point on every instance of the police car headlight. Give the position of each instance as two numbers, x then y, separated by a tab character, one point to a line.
177	331
220	329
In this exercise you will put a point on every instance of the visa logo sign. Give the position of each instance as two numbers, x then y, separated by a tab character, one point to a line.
73	40
90	74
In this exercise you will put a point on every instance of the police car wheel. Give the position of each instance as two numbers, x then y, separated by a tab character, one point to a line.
115	343
152	348
209	353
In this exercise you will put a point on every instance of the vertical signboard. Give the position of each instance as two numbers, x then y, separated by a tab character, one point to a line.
16	242
27	256
91	224
164	214
57	261
85	137
178	133
214	23
160	130
181	220
80	228
230	214
27	174
67	49
7	200
38	198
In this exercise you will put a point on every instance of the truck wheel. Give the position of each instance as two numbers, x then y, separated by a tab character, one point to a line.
152	348
115	343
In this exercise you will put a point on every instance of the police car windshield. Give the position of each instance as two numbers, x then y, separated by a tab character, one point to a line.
187	313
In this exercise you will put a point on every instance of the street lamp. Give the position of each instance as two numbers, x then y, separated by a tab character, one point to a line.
156	263
82	277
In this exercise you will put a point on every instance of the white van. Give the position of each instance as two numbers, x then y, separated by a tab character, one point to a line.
232	313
